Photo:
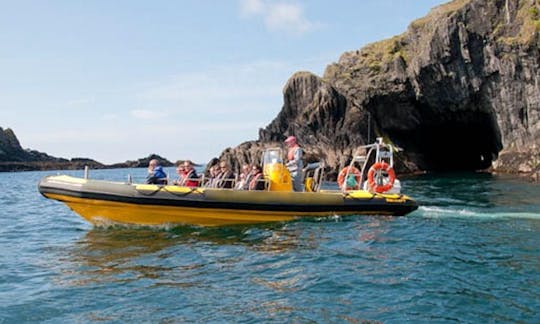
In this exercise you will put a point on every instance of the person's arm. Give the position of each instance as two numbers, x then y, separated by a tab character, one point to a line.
151	178
297	161
297	155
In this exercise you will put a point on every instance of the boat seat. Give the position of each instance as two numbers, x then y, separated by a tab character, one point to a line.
313	173
312	166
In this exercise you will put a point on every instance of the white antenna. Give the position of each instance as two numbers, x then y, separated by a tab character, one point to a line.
369	128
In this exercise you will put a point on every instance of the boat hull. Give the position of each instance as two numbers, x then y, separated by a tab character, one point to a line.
104	202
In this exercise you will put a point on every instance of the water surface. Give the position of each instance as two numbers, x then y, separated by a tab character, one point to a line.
469	254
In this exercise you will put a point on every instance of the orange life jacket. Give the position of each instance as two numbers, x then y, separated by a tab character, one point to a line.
255	181
292	150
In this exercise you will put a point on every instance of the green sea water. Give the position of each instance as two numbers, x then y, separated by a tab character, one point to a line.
470	253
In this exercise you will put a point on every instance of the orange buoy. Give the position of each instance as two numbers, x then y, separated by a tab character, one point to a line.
354	172
385	167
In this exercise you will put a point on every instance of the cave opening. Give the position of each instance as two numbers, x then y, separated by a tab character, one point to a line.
464	141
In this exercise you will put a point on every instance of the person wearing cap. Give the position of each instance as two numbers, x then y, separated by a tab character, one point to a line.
295	163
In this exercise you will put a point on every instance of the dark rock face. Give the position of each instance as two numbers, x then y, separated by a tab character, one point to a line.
14	158
9	145
142	162
11	151
458	89
452	91
320	117
326	124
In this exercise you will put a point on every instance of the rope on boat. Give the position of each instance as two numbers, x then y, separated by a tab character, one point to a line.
150	193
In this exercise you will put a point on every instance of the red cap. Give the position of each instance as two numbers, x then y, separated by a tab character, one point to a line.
290	139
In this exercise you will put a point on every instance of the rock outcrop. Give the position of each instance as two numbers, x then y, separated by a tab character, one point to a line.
459	90
11	150
142	162
9	145
14	158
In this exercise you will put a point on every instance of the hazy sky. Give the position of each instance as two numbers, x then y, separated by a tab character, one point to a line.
115	80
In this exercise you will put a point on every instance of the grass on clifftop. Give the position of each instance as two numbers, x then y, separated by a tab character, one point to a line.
370	59
375	55
523	27
445	9
528	19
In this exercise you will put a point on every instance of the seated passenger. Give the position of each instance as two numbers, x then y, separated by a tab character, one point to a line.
180	173
156	175
212	177
243	181
191	179
225	177
257	181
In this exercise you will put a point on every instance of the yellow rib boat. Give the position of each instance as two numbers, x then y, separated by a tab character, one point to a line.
106	202
101	202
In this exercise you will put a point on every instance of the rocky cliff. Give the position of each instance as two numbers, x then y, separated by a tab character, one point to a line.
459	90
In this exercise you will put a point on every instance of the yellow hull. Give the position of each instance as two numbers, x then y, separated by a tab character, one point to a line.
99	212
101	202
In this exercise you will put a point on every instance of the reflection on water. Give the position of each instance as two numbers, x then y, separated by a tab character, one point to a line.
109	255
123	254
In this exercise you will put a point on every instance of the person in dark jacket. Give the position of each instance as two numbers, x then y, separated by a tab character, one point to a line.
225	179
156	175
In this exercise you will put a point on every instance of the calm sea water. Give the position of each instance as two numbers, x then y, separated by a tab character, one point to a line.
471	253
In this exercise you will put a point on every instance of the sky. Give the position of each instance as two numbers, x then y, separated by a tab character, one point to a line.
117	80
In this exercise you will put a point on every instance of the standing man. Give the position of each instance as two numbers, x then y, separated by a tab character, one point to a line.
156	175
295	163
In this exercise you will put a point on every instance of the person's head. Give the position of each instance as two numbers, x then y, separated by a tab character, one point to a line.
290	141
256	169
223	165
153	164
214	169
179	168
246	168
188	164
